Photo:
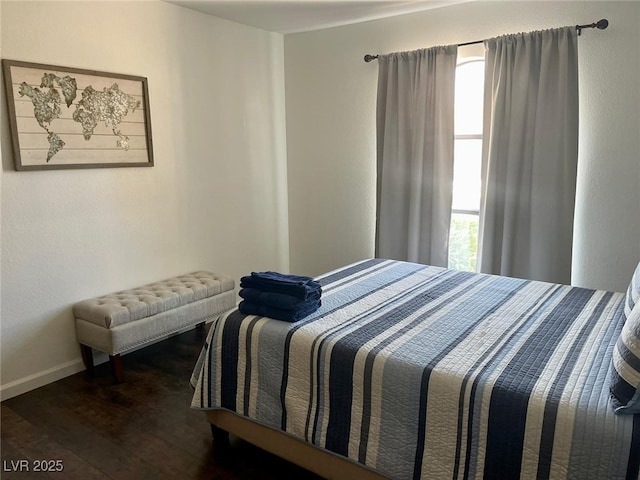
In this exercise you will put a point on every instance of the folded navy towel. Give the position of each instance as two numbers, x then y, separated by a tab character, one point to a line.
307	308
274	282
277	300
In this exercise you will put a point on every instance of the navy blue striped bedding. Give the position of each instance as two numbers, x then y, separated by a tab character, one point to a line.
419	372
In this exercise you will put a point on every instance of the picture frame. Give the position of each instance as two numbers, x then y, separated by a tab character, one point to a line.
65	118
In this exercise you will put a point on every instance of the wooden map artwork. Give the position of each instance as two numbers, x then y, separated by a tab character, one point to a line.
65	118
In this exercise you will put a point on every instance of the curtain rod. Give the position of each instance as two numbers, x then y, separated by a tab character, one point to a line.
600	25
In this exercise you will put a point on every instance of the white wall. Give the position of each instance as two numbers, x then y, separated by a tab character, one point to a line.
216	198
330	98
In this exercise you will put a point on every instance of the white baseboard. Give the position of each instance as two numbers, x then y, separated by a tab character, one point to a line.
40	379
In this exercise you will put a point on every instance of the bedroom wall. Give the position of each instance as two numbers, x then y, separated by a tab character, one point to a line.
216	198
330	99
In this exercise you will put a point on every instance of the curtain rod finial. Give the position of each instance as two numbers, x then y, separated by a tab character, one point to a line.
368	58
600	25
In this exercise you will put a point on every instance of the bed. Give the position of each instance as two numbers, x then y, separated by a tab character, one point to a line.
410	371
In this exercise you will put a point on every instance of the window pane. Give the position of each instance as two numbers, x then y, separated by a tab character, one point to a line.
463	234
466	174
463	242
469	98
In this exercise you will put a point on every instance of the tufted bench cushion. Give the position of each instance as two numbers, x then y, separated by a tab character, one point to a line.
124	320
129	305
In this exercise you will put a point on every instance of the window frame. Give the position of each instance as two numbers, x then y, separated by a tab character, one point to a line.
468	136
460	259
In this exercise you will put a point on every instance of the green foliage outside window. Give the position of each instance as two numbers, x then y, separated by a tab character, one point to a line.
463	242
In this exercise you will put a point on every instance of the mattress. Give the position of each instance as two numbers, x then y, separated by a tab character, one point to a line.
420	372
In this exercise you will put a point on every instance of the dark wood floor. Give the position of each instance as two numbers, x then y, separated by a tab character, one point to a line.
140	429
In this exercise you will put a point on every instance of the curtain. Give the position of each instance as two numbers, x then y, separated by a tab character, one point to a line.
530	155
415	154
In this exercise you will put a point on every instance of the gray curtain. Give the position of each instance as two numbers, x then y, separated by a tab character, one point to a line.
530	155
415	154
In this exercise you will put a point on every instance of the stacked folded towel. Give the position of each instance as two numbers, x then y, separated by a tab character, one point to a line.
279	296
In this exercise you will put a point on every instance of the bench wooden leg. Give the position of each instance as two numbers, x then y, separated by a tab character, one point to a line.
87	358
116	367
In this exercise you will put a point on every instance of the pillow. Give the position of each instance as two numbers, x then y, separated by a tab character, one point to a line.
625	377
633	292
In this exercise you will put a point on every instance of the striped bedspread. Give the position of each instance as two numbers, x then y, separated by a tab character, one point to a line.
420	372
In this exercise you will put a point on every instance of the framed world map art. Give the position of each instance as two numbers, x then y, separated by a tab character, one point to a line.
70	118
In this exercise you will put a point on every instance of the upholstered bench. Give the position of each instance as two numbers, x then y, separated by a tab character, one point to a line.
125	320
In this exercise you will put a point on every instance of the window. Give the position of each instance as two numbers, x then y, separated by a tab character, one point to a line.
465	212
